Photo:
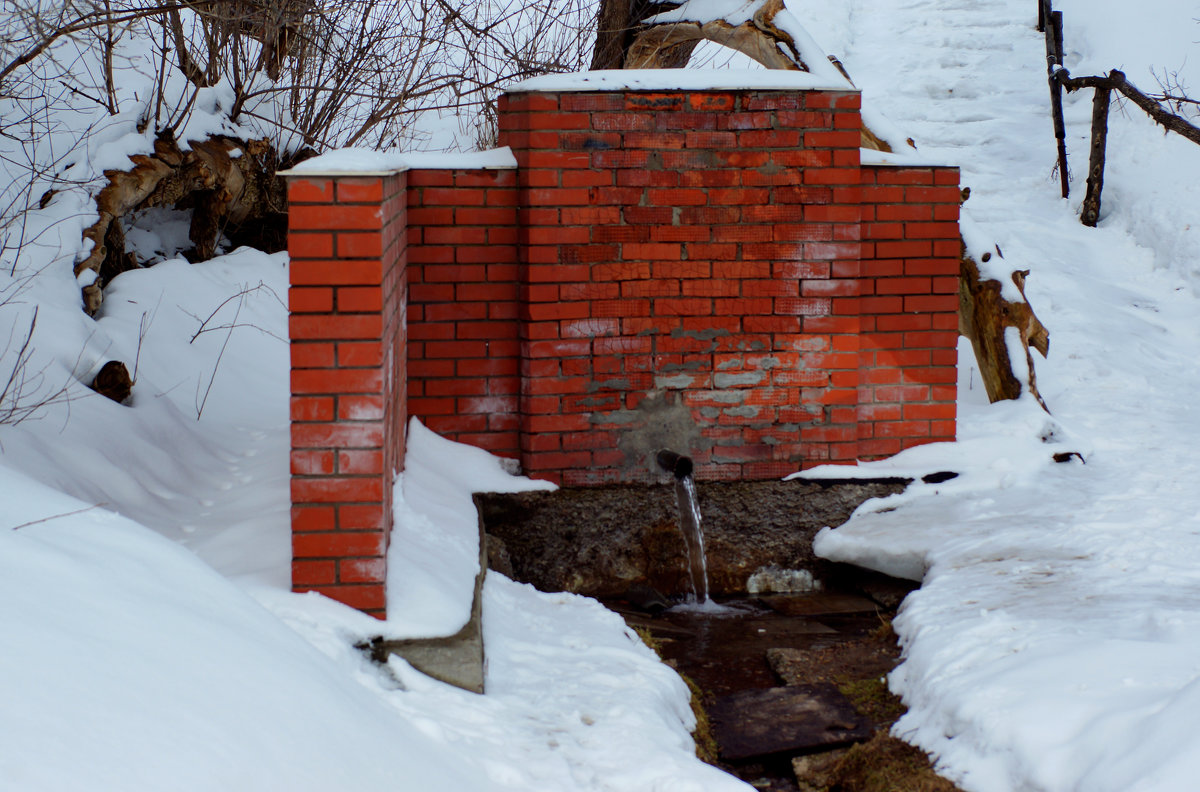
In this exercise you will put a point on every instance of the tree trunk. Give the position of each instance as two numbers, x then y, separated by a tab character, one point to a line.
618	23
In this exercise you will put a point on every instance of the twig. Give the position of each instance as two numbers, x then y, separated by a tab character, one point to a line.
58	516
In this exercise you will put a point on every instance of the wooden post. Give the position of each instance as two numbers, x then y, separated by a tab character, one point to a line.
1095	180
1054	38
1044	11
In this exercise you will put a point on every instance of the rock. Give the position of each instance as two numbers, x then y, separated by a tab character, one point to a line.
601	540
646	598
113	381
761	723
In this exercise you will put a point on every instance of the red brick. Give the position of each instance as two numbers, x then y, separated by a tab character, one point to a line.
358	462
313	518
358	299
904	176
366	216
333	272
310	408
931	303
310	299
360	517
313	573
831	176
359	190
366	597
337	489
335	326
362	570
312	356
310	190
360	408
318	245
835	139
344	435
312	463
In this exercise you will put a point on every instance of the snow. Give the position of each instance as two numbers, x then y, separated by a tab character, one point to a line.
144	565
679	79
433	558
365	161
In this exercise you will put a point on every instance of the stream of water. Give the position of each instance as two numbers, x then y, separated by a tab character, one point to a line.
693	536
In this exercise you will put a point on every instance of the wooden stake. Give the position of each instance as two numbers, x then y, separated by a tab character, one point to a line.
1054	38
1044	11
1095	180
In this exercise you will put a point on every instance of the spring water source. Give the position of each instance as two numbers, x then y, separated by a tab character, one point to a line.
690	524
693	537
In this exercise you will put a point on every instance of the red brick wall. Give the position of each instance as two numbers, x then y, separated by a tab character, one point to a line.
691	255
347	247
463	339
909	308
708	271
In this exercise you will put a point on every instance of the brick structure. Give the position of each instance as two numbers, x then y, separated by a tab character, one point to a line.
347	241
713	271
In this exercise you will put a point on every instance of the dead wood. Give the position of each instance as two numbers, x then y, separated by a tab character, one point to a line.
1090	213
225	182
758	39
984	317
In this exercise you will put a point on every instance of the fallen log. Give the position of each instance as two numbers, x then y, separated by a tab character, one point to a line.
224	182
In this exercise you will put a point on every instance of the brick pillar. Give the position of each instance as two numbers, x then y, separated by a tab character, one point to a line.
908	346
347	244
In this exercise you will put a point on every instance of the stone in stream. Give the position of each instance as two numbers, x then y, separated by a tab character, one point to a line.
763	723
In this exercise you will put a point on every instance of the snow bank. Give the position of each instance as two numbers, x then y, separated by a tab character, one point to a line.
433	557
130	664
1053	643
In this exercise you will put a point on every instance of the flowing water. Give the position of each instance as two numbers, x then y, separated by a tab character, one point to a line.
693	536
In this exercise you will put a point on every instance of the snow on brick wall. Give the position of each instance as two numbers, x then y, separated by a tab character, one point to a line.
713	272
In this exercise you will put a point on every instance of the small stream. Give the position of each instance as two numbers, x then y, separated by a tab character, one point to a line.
725	650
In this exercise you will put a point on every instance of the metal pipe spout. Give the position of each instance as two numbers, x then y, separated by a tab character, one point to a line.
677	465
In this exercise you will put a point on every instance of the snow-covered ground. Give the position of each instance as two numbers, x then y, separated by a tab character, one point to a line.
1055	641
132	663
150	641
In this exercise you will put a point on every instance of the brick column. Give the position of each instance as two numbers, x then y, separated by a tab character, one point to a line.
347	328
908	358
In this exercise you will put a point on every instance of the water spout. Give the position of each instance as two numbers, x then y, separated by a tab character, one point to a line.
677	465
681	467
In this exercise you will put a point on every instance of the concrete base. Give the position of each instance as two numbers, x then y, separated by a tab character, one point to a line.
454	659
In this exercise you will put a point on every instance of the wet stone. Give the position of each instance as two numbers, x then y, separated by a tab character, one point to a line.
600	541
792	720
821	604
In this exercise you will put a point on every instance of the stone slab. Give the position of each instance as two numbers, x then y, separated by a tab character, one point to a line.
820	604
762	723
